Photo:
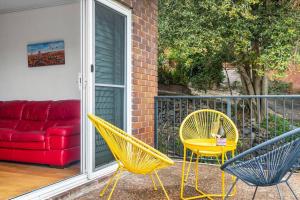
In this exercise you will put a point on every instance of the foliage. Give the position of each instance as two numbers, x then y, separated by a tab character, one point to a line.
201	72
277	125
256	36
279	87
205	72
171	75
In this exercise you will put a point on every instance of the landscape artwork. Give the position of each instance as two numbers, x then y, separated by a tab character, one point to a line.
46	53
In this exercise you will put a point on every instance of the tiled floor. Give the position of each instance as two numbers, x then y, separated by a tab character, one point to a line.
137	187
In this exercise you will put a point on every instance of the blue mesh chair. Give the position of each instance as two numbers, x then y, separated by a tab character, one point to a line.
268	163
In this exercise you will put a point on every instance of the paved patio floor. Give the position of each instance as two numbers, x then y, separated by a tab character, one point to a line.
137	187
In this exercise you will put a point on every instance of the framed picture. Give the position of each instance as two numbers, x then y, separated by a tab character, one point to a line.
46	53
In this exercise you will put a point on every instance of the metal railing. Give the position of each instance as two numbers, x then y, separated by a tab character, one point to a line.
258	118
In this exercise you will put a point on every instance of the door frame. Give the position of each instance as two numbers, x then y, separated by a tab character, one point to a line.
87	137
92	171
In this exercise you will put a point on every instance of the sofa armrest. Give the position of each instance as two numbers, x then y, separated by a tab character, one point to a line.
63	130
63	137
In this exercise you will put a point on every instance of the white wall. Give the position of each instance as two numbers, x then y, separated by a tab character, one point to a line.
17	80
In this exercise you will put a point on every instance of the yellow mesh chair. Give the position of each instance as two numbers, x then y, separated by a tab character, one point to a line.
198	133
130	153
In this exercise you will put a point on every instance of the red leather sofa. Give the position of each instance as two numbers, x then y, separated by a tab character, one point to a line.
43	132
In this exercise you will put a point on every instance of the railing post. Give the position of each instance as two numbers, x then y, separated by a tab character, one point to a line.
228	102
156	122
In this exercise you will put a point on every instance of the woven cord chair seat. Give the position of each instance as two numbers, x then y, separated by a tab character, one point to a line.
135	155
266	169
269	163
130	153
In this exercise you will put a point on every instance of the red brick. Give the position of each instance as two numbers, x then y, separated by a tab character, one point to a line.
144	69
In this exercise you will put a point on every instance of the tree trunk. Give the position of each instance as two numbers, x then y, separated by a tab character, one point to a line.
264	101
265	85
246	79
254	84
228	80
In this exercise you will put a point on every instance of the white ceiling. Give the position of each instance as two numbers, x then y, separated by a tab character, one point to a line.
7	6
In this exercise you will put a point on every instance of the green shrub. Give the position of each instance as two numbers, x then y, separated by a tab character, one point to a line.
277	125
171	69
279	87
205	71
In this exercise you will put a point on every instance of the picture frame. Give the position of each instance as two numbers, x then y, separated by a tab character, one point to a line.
46	53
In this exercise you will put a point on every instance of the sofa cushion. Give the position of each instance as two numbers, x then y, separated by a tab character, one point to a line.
72	122
34	116
25	125
36	110
63	113
62	142
5	134
12	110
64	110
29	145
8	124
63	130
23	145
30	136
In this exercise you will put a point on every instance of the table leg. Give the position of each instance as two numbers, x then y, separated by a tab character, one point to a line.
223	178
233	177
183	172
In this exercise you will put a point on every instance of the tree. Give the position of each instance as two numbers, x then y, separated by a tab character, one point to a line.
257	36
205	72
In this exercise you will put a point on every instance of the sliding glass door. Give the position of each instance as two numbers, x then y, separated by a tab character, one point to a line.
110	70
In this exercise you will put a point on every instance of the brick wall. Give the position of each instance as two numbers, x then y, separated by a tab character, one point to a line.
144	63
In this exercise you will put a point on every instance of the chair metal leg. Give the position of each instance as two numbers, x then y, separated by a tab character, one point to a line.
109	182
292	190
183	172
217	158
151	176
254	193
189	167
223	178
280	195
196	172
231	188
161	184
115	184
